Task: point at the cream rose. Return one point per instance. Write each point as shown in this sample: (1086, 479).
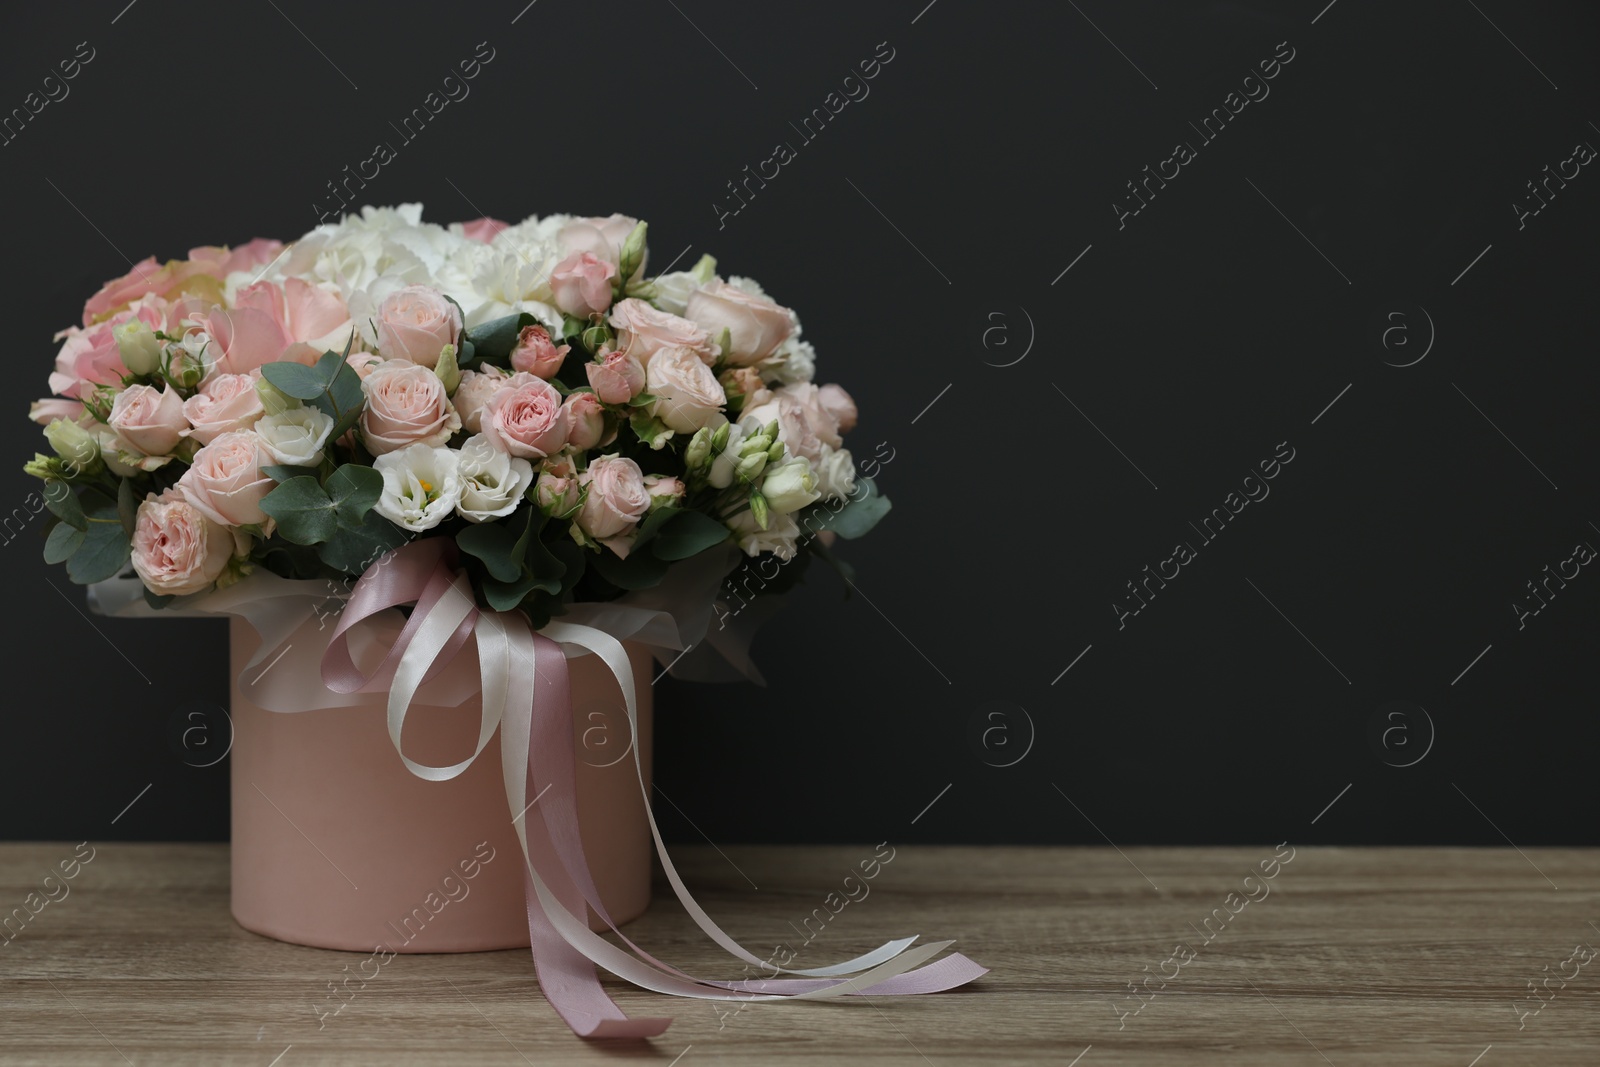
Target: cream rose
(756, 326)
(836, 473)
(492, 483)
(295, 437)
(226, 403)
(415, 323)
(687, 394)
(779, 537)
(406, 405)
(642, 331)
(421, 486)
(177, 549)
(147, 420)
(614, 500)
(225, 482)
(526, 420)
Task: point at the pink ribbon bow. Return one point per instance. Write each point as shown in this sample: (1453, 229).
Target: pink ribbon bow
(526, 695)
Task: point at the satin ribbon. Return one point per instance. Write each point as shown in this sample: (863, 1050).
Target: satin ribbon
(526, 695)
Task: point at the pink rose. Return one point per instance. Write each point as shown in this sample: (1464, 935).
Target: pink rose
(664, 489)
(147, 277)
(306, 313)
(836, 402)
(687, 394)
(526, 420)
(557, 490)
(406, 405)
(617, 378)
(745, 382)
(642, 331)
(363, 363)
(177, 550)
(474, 391)
(147, 420)
(484, 230)
(756, 325)
(586, 420)
(581, 284)
(225, 481)
(615, 501)
(602, 237)
(91, 356)
(537, 354)
(802, 428)
(51, 408)
(241, 339)
(226, 403)
(415, 323)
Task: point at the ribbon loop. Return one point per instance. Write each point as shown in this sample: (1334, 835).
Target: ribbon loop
(526, 695)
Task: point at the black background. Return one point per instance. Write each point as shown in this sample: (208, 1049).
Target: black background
(986, 158)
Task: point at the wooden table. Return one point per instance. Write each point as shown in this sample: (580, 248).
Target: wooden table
(1351, 956)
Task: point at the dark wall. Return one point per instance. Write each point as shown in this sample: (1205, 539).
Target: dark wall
(1069, 389)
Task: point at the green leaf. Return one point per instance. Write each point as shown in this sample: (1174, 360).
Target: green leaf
(499, 545)
(156, 600)
(860, 513)
(63, 541)
(296, 379)
(127, 507)
(495, 339)
(546, 571)
(652, 524)
(305, 514)
(104, 551)
(640, 570)
(282, 474)
(353, 550)
(353, 489)
(63, 503)
(688, 534)
(345, 389)
(503, 596)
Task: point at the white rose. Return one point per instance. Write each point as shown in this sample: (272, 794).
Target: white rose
(421, 486)
(836, 473)
(295, 437)
(492, 482)
(790, 485)
(795, 361)
(688, 396)
(672, 291)
(778, 538)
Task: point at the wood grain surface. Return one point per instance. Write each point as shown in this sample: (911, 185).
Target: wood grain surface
(1344, 957)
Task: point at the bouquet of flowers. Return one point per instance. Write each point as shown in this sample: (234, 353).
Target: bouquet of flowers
(575, 424)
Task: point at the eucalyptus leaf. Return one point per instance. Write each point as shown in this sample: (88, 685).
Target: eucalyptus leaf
(127, 506)
(504, 596)
(305, 514)
(865, 508)
(63, 541)
(353, 489)
(63, 503)
(282, 474)
(352, 550)
(688, 534)
(296, 379)
(494, 340)
(640, 570)
(498, 545)
(103, 553)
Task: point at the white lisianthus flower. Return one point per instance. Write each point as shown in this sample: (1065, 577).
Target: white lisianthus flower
(790, 485)
(779, 537)
(836, 473)
(295, 437)
(492, 482)
(726, 464)
(421, 486)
